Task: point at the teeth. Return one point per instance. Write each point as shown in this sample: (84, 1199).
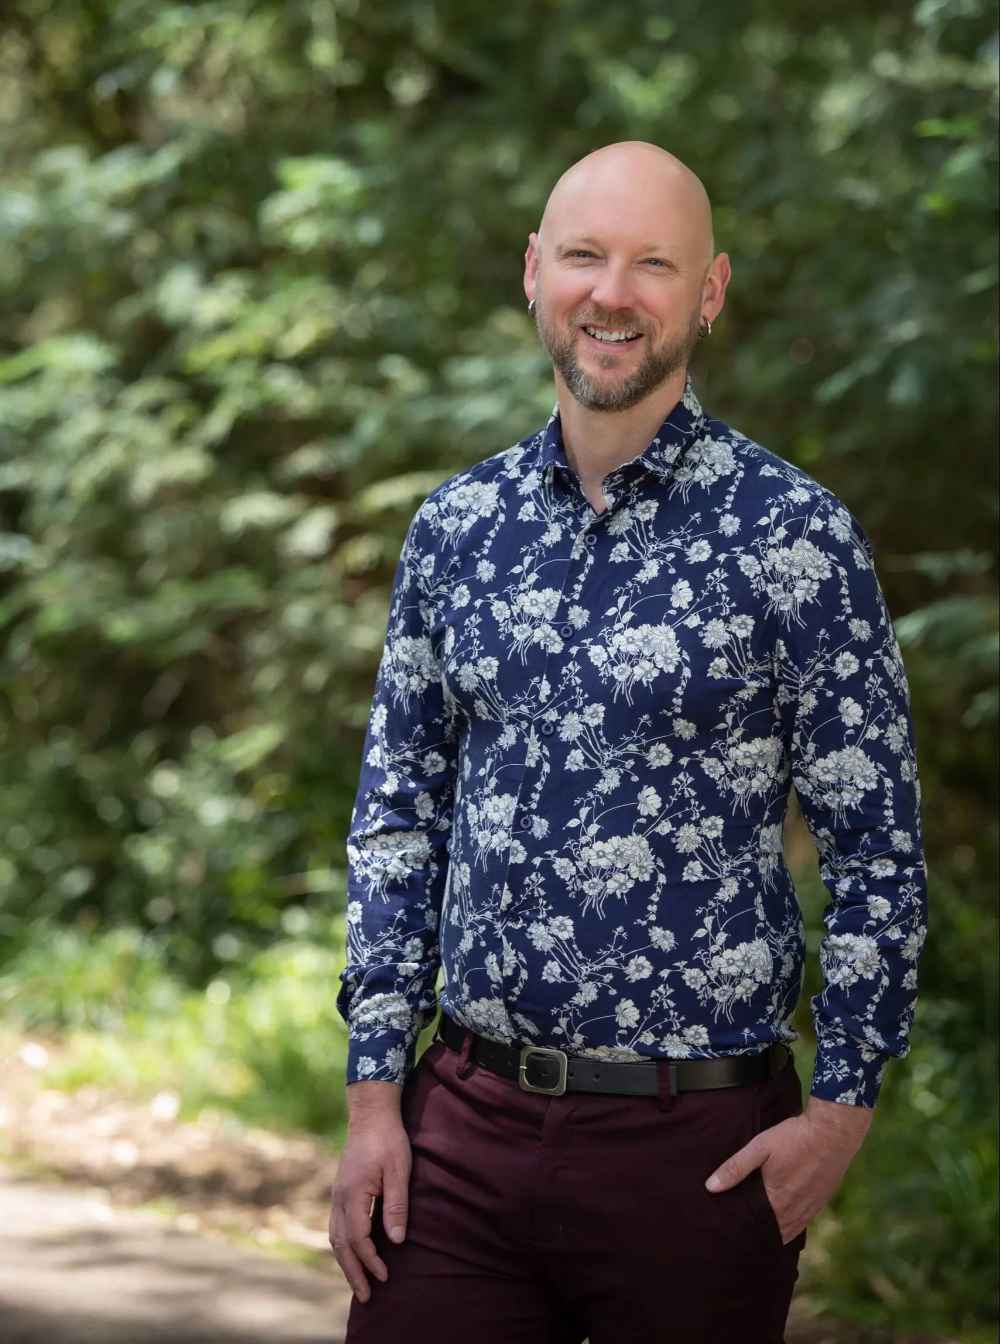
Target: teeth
(610, 335)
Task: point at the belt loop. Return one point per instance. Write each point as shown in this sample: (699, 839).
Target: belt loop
(666, 1084)
(465, 1061)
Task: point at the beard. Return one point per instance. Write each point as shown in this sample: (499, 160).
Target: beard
(597, 395)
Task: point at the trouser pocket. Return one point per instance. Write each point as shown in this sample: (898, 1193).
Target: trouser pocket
(776, 1100)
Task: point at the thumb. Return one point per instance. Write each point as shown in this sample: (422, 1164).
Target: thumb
(395, 1201)
(736, 1168)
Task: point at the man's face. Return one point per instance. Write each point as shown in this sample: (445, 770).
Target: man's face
(618, 277)
(612, 376)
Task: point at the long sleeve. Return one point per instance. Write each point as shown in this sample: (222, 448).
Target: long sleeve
(397, 848)
(846, 708)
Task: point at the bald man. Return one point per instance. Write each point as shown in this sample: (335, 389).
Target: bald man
(611, 650)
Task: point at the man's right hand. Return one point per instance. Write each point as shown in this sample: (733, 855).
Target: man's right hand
(375, 1161)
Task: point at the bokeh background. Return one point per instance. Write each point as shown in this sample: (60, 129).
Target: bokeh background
(260, 264)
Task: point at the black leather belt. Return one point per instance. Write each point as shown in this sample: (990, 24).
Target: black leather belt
(541, 1069)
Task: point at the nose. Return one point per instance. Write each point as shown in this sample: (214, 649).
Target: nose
(612, 288)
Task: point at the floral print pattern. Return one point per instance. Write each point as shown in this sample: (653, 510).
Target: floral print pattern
(584, 732)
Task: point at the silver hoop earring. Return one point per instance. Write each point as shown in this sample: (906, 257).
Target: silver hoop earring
(705, 329)
(531, 307)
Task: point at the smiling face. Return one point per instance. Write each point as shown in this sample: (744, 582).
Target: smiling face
(611, 360)
(622, 273)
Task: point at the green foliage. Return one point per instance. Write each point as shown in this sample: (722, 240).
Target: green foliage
(910, 1236)
(260, 263)
(916, 1222)
(263, 1041)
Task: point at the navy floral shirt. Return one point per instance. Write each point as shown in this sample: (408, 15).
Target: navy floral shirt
(578, 759)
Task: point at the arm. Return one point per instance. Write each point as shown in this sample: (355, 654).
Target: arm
(397, 848)
(845, 711)
(397, 853)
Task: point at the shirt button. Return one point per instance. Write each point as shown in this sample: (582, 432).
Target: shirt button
(566, 631)
(524, 820)
(590, 539)
(547, 729)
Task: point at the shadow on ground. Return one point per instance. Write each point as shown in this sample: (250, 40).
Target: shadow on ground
(75, 1271)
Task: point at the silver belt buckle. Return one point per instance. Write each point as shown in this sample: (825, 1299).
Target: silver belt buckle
(550, 1057)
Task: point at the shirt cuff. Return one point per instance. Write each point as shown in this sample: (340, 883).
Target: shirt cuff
(850, 1074)
(383, 1058)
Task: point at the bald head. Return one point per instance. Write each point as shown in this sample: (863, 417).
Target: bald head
(644, 187)
(622, 278)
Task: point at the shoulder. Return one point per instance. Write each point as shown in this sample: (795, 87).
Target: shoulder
(479, 494)
(784, 501)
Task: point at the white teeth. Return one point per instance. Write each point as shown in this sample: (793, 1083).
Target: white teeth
(610, 335)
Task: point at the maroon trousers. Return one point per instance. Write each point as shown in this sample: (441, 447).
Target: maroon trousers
(555, 1220)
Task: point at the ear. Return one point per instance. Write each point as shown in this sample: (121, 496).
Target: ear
(713, 290)
(531, 266)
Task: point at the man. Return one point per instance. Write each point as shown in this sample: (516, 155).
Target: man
(611, 650)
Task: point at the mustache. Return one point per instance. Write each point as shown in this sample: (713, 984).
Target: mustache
(614, 320)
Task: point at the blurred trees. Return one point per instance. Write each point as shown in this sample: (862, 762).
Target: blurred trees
(260, 266)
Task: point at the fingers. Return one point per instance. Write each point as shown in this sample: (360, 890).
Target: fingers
(359, 1225)
(350, 1228)
(737, 1167)
(395, 1200)
(376, 1160)
(351, 1265)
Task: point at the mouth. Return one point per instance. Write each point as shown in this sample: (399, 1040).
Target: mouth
(610, 338)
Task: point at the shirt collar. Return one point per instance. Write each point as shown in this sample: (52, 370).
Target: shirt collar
(683, 426)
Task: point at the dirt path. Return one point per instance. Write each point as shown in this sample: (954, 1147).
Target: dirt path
(120, 1224)
(75, 1270)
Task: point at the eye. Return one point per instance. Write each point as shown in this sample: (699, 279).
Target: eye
(657, 261)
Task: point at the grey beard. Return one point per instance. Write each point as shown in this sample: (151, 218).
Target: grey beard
(656, 367)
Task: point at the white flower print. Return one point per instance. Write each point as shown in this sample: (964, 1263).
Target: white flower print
(681, 595)
(411, 667)
(637, 655)
(538, 603)
(571, 728)
(687, 839)
(851, 713)
(839, 780)
(715, 635)
(638, 968)
(848, 957)
(699, 552)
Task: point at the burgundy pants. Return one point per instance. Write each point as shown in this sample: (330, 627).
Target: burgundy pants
(554, 1220)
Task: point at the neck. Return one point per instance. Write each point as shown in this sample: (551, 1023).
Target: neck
(598, 441)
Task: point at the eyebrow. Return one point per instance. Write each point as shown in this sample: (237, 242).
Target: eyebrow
(647, 248)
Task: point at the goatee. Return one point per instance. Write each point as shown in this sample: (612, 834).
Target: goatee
(655, 368)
